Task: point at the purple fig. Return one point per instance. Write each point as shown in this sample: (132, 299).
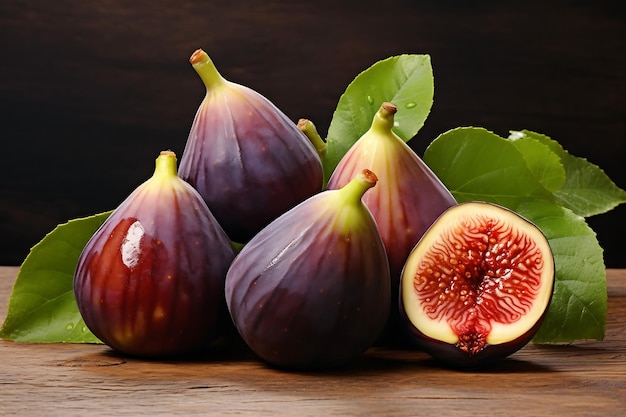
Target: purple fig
(150, 281)
(247, 159)
(407, 201)
(477, 286)
(311, 290)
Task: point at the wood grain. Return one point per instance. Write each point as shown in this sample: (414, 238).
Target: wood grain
(582, 379)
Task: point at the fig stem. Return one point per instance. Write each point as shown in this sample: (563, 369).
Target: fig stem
(204, 66)
(384, 118)
(349, 198)
(356, 188)
(165, 166)
(308, 128)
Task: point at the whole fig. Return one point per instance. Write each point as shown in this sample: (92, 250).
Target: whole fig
(407, 201)
(478, 285)
(247, 159)
(150, 281)
(311, 290)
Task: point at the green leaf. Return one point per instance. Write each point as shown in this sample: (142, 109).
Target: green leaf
(541, 161)
(404, 80)
(579, 303)
(478, 165)
(587, 190)
(42, 307)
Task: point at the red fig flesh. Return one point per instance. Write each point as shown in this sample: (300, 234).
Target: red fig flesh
(478, 285)
(150, 281)
(249, 162)
(312, 289)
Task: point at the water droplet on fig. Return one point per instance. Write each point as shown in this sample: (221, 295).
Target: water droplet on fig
(131, 248)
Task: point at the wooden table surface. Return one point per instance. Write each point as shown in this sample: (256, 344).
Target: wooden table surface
(584, 379)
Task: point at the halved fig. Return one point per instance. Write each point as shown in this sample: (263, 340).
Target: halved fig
(477, 285)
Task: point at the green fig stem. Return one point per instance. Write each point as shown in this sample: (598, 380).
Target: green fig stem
(205, 68)
(165, 166)
(356, 188)
(308, 128)
(384, 118)
(349, 199)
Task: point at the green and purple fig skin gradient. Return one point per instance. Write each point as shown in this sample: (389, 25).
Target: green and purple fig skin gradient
(408, 198)
(246, 158)
(312, 289)
(150, 281)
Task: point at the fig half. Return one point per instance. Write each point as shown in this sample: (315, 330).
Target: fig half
(477, 286)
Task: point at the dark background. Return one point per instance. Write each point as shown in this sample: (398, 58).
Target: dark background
(91, 91)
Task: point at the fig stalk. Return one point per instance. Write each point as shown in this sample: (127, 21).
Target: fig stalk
(165, 167)
(308, 128)
(384, 119)
(206, 69)
(349, 197)
(353, 191)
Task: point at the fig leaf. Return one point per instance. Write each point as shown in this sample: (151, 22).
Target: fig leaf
(404, 80)
(587, 190)
(579, 302)
(42, 307)
(478, 165)
(542, 161)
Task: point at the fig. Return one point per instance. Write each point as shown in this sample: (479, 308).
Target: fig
(312, 290)
(477, 285)
(150, 281)
(246, 158)
(407, 201)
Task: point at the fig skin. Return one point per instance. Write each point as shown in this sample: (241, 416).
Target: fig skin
(246, 158)
(311, 291)
(150, 281)
(409, 198)
(507, 267)
(450, 356)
